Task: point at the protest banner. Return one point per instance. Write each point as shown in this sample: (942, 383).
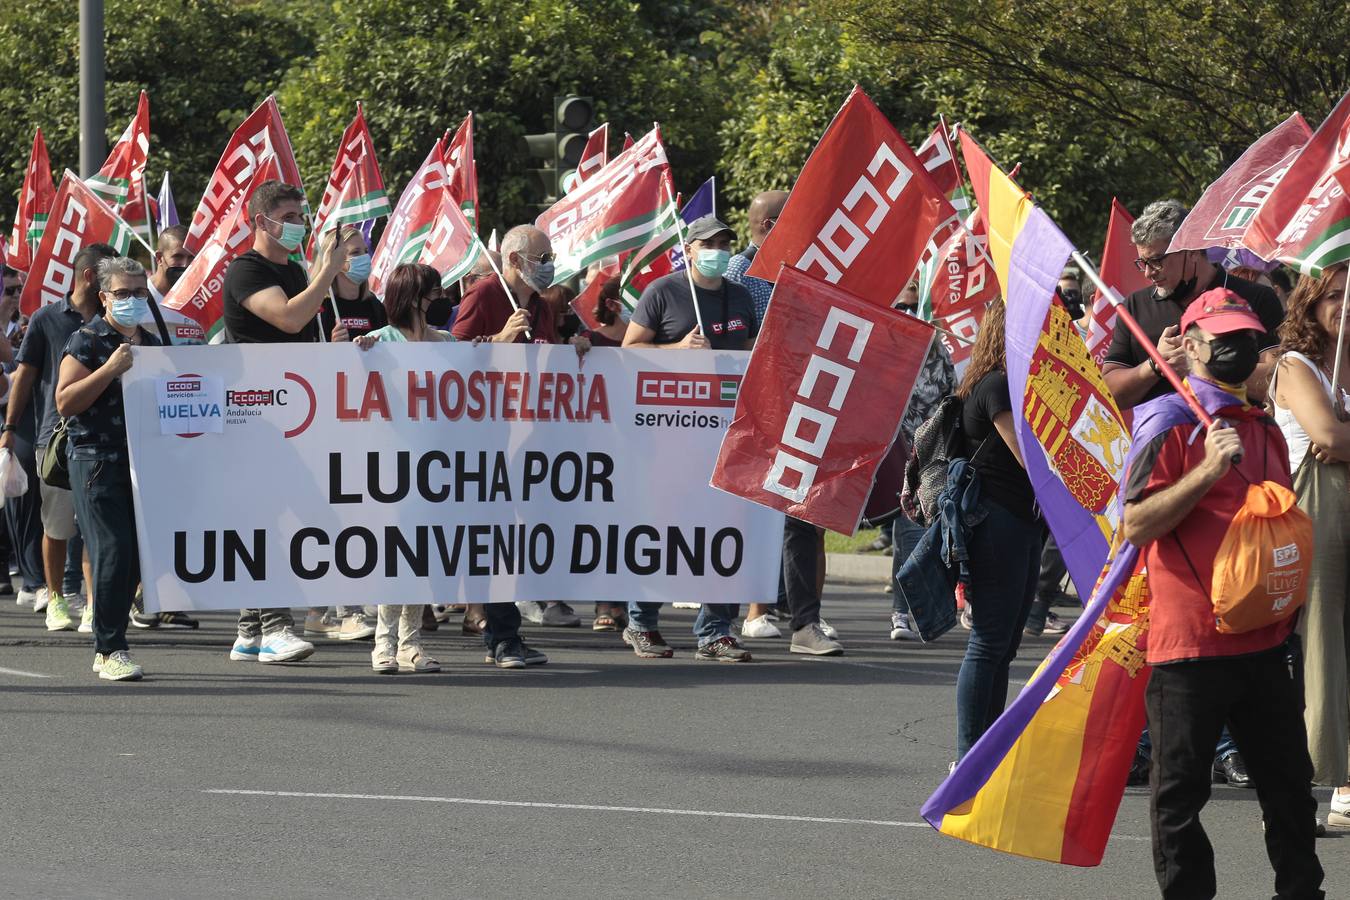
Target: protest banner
(438, 473)
(79, 218)
(822, 400)
(861, 210)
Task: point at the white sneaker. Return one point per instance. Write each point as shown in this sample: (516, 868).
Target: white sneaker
(282, 646)
(687, 605)
(531, 611)
(246, 647)
(1340, 810)
(117, 666)
(26, 599)
(40, 601)
(828, 629)
(87, 620)
(58, 616)
(355, 627)
(901, 628)
(760, 627)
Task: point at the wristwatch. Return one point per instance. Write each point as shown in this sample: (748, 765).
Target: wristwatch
(8, 427)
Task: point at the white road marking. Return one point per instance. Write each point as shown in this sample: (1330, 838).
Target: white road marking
(820, 820)
(591, 807)
(21, 673)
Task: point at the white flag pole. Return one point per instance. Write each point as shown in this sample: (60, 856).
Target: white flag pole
(529, 336)
(1340, 353)
(688, 263)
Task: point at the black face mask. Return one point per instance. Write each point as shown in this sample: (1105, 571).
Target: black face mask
(1233, 357)
(173, 273)
(438, 312)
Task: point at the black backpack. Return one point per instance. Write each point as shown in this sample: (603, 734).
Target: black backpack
(939, 440)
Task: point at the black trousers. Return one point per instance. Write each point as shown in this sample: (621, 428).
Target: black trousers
(1262, 700)
(797, 582)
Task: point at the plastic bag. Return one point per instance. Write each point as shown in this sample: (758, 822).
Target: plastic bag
(13, 479)
(1261, 569)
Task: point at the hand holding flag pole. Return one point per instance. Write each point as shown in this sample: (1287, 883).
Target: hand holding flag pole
(529, 336)
(688, 263)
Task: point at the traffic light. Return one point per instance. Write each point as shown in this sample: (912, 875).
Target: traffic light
(557, 154)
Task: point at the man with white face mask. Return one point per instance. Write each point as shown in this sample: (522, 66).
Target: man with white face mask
(486, 311)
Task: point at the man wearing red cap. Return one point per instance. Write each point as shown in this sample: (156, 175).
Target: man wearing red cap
(1181, 495)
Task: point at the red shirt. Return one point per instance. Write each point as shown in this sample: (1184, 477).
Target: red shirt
(485, 308)
(1181, 564)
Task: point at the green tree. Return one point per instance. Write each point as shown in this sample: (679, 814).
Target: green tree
(205, 64)
(421, 65)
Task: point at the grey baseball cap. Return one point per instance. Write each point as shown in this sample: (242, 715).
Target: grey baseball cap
(705, 227)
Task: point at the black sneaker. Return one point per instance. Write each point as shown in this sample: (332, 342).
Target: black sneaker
(1231, 770)
(1138, 769)
(6, 588)
(144, 619)
(510, 654)
(724, 649)
(174, 620)
(533, 657)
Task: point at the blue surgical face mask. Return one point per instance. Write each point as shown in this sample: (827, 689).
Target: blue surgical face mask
(712, 263)
(358, 268)
(291, 234)
(538, 275)
(129, 311)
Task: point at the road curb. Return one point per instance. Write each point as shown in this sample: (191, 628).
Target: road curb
(858, 568)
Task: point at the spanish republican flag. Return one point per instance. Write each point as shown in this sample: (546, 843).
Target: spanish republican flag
(1046, 780)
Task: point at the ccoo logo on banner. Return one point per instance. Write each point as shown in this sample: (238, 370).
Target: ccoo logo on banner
(821, 402)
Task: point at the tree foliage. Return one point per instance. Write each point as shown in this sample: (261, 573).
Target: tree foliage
(1134, 98)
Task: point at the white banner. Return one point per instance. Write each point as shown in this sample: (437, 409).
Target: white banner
(421, 473)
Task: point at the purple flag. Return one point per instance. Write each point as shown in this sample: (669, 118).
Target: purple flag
(168, 212)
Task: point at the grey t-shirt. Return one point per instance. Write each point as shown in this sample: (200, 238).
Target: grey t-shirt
(43, 346)
(728, 313)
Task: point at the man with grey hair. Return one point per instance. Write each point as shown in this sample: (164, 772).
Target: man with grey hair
(1175, 280)
(89, 396)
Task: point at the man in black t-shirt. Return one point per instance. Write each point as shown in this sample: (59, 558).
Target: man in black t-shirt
(268, 300)
(1177, 279)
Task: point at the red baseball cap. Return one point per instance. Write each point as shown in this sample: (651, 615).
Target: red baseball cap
(1220, 311)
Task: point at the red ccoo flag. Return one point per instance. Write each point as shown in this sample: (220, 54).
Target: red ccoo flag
(816, 412)
(198, 293)
(261, 137)
(861, 211)
(35, 205)
(410, 224)
(78, 218)
(124, 169)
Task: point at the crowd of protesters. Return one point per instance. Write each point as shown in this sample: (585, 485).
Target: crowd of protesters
(1220, 707)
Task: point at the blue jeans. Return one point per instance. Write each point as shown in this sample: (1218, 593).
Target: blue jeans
(1226, 746)
(905, 536)
(713, 622)
(103, 503)
(1005, 561)
(74, 571)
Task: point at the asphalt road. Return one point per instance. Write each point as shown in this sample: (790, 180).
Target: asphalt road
(597, 776)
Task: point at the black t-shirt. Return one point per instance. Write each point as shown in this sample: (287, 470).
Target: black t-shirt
(1156, 314)
(361, 316)
(248, 274)
(728, 313)
(1002, 478)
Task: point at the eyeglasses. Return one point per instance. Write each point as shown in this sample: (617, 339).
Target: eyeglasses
(1152, 263)
(541, 258)
(14, 290)
(124, 294)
